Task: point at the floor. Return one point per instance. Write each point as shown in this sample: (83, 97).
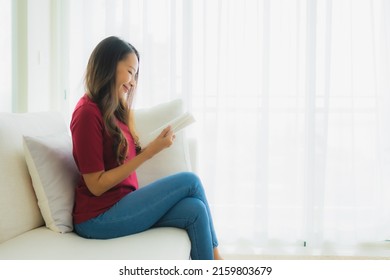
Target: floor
(365, 251)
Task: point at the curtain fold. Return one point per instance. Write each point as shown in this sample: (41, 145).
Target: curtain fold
(6, 41)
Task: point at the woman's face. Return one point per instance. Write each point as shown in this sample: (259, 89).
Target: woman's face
(125, 74)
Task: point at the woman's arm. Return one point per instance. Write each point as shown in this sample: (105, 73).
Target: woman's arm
(101, 181)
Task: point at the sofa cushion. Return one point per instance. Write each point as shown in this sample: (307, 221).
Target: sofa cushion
(18, 204)
(169, 161)
(54, 176)
(45, 244)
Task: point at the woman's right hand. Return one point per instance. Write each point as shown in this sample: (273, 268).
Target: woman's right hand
(163, 141)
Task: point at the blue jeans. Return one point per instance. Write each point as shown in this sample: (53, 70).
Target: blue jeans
(175, 201)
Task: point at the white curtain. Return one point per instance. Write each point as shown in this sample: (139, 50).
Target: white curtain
(5, 56)
(291, 98)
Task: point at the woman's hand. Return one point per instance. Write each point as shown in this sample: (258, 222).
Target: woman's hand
(163, 141)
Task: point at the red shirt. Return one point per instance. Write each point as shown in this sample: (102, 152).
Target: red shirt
(93, 151)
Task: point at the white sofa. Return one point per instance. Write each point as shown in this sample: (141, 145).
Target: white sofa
(23, 234)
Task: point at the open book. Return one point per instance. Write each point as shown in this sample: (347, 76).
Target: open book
(176, 124)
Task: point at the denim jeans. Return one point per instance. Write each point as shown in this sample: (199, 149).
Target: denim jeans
(175, 201)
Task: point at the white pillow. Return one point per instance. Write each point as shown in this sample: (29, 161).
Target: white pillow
(171, 160)
(54, 176)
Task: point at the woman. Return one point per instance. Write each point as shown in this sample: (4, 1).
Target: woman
(108, 203)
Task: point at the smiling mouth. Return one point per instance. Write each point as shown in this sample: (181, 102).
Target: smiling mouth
(126, 88)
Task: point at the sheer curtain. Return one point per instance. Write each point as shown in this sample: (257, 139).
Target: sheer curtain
(292, 104)
(5, 56)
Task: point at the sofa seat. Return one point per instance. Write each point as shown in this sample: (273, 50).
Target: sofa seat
(43, 243)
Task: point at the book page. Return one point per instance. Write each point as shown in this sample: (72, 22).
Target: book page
(176, 124)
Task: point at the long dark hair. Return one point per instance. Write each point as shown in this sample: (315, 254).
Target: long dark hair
(100, 86)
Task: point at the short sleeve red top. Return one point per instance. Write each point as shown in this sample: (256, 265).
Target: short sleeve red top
(93, 151)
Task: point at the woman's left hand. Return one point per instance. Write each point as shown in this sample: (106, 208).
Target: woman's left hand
(163, 141)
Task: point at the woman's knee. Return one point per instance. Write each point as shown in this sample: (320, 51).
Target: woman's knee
(193, 181)
(189, 176)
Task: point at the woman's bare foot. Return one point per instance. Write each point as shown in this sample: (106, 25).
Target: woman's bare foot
(217, 256)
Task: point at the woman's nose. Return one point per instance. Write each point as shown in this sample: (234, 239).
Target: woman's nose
(131, 84)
